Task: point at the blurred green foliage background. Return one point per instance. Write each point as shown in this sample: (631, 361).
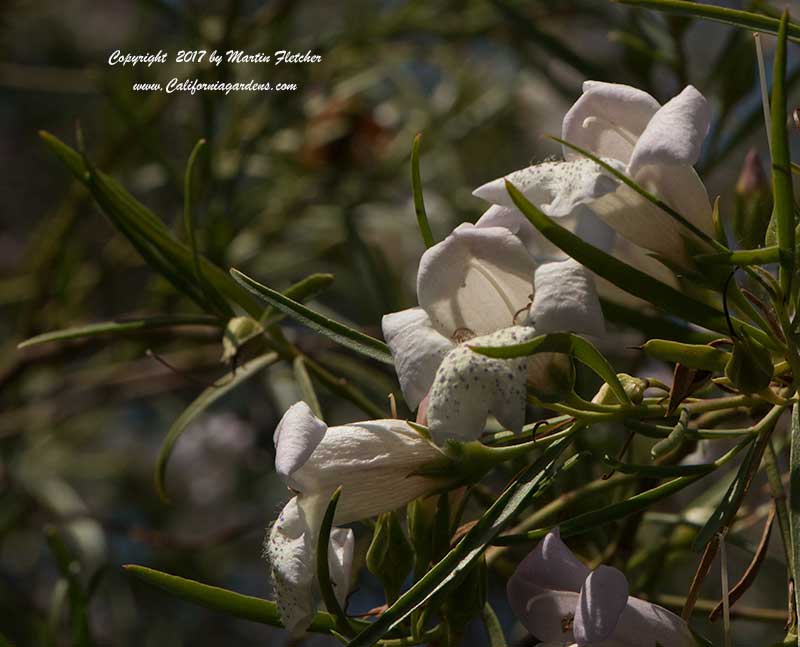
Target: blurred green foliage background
(292, 183)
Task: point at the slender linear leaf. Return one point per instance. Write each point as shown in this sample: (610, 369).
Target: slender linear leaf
(323, 568)
(589, 521)
(737, 18)
(203, 401)
(214, 298)
(304, 289)
(628, 278)
(493, 627)
(658, 471)
(563, 343)
(338, 332)
(116, 327)
(419, 199)
(456, 563)
(725, 512)
(228, 602)
(305, 386)
(147, 233)
(781, 173)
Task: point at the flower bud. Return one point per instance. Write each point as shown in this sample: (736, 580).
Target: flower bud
(633, 386)
(750, 367)
(390, 555)
(753, 203)
(697, 356)
(237, 333)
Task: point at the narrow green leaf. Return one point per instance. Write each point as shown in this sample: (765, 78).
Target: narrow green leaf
(658, 471)
(735, 17)
(306, 388)
(228, 602)
(494, 629)
(338, 332)
(590, 521)
(149, 234)
(628, 278)
(304, 289)
(118, 327)
(456, 563)
(419, 200)
(203, 401)
(781, 173)
(212, 295)
(742, 257)
(323, 569)
(569, 344)
(725, 512)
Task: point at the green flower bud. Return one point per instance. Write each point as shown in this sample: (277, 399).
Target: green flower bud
(697, 356)
(750, 367)
(390, 555)
(633, 386)
(237, 333)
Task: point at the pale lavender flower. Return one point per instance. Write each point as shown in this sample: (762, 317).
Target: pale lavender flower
(561, 602)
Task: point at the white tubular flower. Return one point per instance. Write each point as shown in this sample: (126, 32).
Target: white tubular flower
(475, 287)
(374, 462)
(561, 602)
(291, 549)
(655, 145)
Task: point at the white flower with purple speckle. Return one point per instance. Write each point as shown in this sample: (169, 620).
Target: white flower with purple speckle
(628, 129)
(480, 286)
(374, 462)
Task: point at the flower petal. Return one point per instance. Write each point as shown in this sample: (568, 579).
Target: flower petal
(644, 224)
(476, 280)
(557, 188)
(565, 299)
(340, 561)
(290, 548)
(603, 598)
(675, 134)
(417, 350)
(296, 437)
(469, 386)
(607, 120)
(546, 614)
(643, 624)
(373, 462)
(551, 565)
(512, 219)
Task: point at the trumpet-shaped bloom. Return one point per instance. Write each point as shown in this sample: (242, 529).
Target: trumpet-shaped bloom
(475, 287)
(291, 548)
(374, 462)
(562, 602)
(655, 145)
